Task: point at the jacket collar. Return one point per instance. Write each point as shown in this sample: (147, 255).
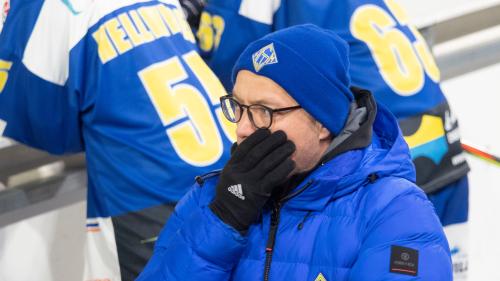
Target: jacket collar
(376, 148)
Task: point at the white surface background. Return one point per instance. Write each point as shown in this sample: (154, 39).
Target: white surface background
(427, 12)
(475, 99)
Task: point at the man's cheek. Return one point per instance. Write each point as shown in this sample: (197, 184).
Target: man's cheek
(295, 158)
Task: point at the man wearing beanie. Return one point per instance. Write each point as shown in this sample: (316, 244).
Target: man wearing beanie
(389, 57)
(320, 185)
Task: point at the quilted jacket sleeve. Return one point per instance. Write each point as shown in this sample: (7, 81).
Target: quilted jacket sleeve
(195, 244)
(403, 240)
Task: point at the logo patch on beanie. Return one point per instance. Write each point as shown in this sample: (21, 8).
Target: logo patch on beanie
(264, 56)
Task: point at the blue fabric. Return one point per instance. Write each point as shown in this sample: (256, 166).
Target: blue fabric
(365, 71)
(349, 225)
(106, 109)
(317, 57)
(452, 202)
(228, 26)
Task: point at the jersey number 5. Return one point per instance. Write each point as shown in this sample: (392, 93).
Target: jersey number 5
(401, 62)
(183, 109)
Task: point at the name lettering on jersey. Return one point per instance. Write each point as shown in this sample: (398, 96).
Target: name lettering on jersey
(133, 28)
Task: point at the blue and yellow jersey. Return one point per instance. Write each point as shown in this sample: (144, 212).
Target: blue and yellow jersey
(388, 56)
(122, 81)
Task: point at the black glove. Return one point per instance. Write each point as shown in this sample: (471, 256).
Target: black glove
(257, 166)
(193, 9)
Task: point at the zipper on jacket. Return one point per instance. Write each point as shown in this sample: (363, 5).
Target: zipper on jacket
(275, 218)
(273, 230)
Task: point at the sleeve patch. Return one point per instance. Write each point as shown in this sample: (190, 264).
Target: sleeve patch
(404, 260)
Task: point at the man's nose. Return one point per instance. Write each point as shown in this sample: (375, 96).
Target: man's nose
(244, 127)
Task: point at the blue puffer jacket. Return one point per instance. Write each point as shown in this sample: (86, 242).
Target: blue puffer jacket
(342, 224)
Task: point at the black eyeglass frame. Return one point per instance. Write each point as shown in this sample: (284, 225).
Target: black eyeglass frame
(249, 112)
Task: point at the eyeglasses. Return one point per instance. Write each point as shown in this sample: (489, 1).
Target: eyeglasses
(261, 116)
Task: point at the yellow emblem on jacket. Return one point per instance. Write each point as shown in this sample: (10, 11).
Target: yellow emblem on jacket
(320, 277)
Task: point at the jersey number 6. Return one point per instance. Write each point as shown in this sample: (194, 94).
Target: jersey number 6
(401, 62)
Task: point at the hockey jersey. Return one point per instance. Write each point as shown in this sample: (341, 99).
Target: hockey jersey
(122, 81)
(388, 56)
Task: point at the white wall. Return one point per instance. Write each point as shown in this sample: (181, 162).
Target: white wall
(475, 99)
(47, 247)
(426, 12)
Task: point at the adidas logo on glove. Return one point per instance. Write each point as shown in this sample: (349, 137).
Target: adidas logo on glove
(237, 191)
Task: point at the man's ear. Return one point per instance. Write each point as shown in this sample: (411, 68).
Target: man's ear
(324, 133)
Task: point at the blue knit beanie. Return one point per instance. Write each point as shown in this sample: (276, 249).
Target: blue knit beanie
(311, 64)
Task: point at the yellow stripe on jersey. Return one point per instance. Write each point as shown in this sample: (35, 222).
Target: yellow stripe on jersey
(431, 128)
(4, 73)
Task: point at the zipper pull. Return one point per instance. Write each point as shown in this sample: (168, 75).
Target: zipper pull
(301, 224)
(199, 180)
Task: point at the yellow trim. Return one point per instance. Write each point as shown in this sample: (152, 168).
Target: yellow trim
(320, 277)
(430, 129)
